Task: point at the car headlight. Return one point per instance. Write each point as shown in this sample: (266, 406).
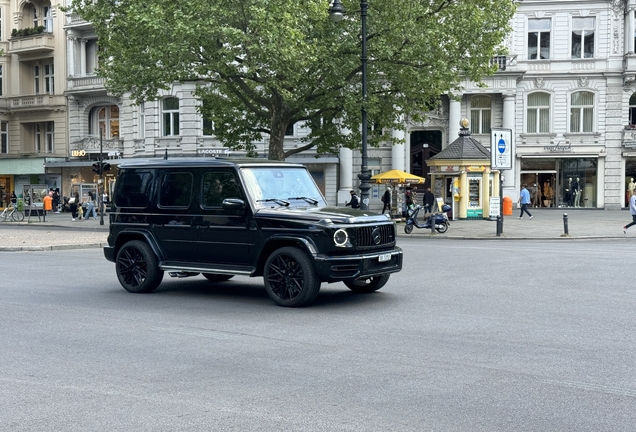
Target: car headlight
(341, 238)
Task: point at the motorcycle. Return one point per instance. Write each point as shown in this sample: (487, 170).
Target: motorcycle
(440, 220)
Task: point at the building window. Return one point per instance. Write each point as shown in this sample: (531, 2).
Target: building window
(208, 124)
(35, 17)
(104, 120)
(539, 38)
(583, 37)
(1, 80)
(49, 79)
(44, 137)
(170, 116)
(538, 114)
(1, 34)
(36, 79)
(582, 112)
(48, 20)
(4, 137)
(632, 111)
(480, 112)
(290, 130)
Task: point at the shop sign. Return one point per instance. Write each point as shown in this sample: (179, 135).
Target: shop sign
(444, 168)
(559, 148)
(115, 154)
(78, 153)
(213, 152)
(476, 168)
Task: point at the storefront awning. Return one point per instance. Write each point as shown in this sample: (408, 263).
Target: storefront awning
(22, 166)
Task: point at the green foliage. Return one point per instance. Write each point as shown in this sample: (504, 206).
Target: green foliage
(265, 64)
(27, 31)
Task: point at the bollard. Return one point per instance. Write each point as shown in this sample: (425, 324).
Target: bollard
(565, 224)
(432, 223)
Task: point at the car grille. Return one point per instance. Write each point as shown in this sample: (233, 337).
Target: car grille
(374, 236)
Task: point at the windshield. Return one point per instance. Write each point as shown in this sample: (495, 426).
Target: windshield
(281, 186)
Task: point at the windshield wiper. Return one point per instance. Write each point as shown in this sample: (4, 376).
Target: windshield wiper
(309, 200)
(276, 200)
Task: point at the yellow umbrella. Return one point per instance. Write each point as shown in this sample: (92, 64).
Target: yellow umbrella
(397, 176)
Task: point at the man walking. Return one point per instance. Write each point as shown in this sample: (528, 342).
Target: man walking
(386, 199)
(524, 200)
(355, 202)
(632, 210)
(429, 201)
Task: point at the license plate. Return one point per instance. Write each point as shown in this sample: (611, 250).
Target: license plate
(384, 257)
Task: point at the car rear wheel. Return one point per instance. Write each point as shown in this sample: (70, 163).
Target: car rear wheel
(214, 277)
(368, 284)
(136, 267)
(290, 278)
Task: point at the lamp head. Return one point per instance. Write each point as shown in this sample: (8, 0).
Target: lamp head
(336, 11)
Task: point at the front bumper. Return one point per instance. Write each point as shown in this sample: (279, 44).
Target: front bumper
(339, 268)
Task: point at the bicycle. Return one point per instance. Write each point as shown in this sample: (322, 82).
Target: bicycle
(12, 212)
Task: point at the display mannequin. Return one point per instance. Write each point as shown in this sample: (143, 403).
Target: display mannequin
(576, 190)
(536, 196)
(547, 194)
(630, 187)
(568, 198)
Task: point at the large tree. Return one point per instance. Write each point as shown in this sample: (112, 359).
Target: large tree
(263, 65)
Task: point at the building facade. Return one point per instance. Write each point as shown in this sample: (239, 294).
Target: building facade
(566, 89)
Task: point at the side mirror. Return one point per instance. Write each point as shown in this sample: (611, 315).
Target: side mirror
(235, 205)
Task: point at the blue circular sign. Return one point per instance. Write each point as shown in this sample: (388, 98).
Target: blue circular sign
(501, 145)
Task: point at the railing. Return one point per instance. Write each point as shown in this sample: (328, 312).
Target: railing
(92, 143)
(503, 62)
(35, 42)
(86, 81)
(37, 101)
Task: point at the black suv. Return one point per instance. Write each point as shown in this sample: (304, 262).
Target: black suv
(252, 217)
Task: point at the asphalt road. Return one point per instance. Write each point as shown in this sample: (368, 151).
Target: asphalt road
(471, 336)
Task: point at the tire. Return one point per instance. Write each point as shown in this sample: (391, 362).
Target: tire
(290, 278)
(4, 214)
(17, 216)
(441, 228)
(367, 285)
(213, 277)
(136, 267)
(408, 228)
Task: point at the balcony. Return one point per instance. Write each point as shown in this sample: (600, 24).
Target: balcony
(31, 44)
(74, 21)
(629, 137)
(91, 144)
(45, 102)
(504, 62)
(87, 84)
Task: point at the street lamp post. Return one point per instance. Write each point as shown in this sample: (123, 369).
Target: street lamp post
(336, 12)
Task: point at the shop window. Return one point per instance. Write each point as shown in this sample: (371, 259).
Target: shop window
(170, 116)
(582, 112)
(577, 182)
(539, 38)
(538, 114)
(583, 37)
(480, 115)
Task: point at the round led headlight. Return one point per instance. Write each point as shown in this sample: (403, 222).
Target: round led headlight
(341, 238)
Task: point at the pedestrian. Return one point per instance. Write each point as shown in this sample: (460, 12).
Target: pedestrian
(14, 200)
(632, 210)
(524, 200)
(56, 200)
(90, 206)
(47, 202)
(429, 201)
(355, 201)
(386, 199)
(73, 203)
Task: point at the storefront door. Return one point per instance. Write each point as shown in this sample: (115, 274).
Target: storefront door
(543, 188)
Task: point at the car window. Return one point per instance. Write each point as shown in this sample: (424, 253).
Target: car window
(134, 188)
(176, 190)
(265, 184)
(217, 186)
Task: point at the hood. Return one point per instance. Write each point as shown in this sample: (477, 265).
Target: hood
(343, 215)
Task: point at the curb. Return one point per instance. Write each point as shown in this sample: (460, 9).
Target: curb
(52, 247)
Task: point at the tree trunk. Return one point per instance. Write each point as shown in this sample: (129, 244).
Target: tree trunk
(280, 120)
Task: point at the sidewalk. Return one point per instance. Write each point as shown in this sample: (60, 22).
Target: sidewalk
(546, 224)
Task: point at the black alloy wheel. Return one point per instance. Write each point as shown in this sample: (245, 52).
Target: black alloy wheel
(368, 284)
(214, 277)
(290, 278)
(136, 267)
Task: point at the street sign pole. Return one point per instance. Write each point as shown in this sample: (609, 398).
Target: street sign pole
(500, 160)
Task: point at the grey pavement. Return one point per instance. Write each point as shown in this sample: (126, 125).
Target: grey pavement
(58, 231)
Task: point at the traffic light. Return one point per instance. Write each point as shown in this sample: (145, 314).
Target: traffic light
(101, 168)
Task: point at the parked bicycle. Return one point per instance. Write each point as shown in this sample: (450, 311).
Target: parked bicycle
(12, 213)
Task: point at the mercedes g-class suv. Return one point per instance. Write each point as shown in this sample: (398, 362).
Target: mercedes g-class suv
(251, 217)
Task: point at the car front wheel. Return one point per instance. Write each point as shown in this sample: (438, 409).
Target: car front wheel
(368, 284)
(136, 267)
(290, 278)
